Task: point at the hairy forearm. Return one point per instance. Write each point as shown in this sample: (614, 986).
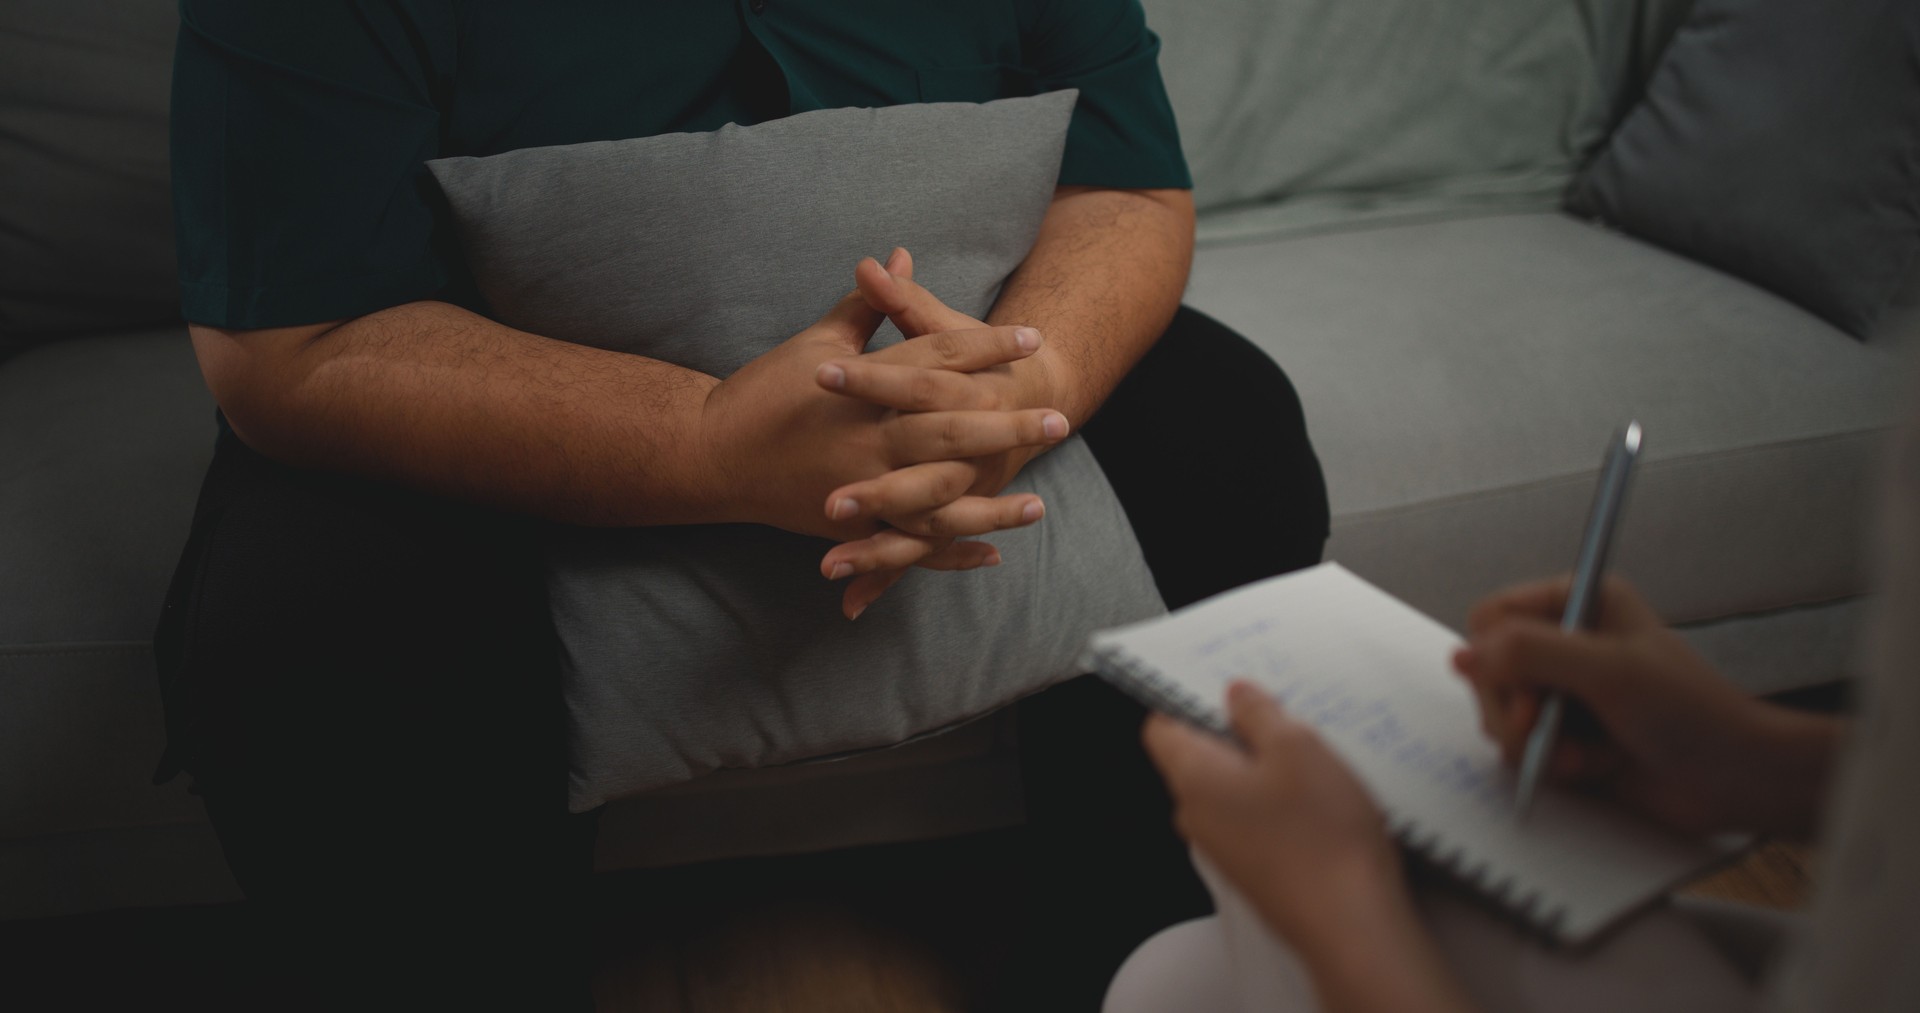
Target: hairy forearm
(434, 397)
(1102, 281)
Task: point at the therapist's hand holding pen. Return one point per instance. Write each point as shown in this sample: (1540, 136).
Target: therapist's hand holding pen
(1673, 738)
(1296, 833)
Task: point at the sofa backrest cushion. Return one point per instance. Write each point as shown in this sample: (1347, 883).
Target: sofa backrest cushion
(1780, 142)
(1474, 98)
(86, 231)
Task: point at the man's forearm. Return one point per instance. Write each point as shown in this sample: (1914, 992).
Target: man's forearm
(1102, 281)
(435, 397)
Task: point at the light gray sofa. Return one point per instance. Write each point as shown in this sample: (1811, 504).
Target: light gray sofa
(1382, 184)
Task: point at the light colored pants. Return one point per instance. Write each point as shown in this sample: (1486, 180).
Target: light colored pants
(1231, 963)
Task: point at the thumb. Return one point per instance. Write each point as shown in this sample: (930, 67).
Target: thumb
(900, 263)
(910, 306)
(1189, 758)
(1255, 717)
(849, 324)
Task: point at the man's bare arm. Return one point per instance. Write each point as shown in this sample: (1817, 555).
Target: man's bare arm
(433, 396)
(1102, 282)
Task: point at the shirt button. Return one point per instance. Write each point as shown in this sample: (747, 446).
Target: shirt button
(759, 6)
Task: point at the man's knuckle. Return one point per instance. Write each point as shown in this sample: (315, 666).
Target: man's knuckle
(922, 392)
(947, 486)
(947, 346)
(902, 435)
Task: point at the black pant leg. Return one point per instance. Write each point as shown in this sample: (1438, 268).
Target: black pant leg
(1206, 446)
(364, 685)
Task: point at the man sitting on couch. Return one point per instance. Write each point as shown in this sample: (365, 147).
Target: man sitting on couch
(357, 656)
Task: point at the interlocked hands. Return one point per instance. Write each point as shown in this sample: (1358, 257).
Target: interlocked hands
(898, 454)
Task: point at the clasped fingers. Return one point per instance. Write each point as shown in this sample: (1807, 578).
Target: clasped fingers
(911, 388)
(896, 550)
(956, 435)
(967, 350)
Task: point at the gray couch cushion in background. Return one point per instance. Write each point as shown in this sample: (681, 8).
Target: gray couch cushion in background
(1394, 108)
(1460, 380)
(103, 441)
(693, 649)
(86, 229)
(1780, 141)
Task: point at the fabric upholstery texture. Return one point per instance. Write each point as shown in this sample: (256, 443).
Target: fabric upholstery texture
(1461, 378)
(86, 242)
(103, 441)
(1780, 142)
(1352, 109)
(694, 649)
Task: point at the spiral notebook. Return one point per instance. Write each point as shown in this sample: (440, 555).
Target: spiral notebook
(1371, 674)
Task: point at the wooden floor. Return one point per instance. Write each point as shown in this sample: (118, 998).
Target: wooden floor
(1774, 875)
(906, 930)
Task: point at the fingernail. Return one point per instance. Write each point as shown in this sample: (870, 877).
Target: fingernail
(1055, 426)
(840, 570)
(1028, 338)
(1033, 511)
(994, 559)
(855, 614)
(844, 507)
(831, 376)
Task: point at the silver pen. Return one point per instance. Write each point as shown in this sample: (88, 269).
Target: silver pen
(1607, 501)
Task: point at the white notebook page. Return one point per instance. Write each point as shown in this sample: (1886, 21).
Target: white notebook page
(1372, 675)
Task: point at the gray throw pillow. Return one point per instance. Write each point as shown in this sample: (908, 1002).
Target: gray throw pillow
(1779, 141)
(692, 649)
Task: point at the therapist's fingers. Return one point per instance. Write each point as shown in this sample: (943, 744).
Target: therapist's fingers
(1542, 600)
(1189, 759)
(1618, 607)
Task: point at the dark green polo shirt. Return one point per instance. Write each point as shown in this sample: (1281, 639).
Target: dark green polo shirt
(301, 127)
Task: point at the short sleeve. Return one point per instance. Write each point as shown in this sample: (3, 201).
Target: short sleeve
(300, 136)
(1122, 134)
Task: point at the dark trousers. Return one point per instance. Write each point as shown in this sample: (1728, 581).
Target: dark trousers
(362, 682)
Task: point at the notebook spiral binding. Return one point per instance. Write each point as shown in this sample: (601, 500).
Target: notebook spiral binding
(1145, 683)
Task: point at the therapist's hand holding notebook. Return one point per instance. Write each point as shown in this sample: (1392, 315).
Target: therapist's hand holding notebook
(1370, 675)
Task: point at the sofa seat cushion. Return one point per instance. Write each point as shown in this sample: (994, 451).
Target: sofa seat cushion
(1461, 378)
(103, 441)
